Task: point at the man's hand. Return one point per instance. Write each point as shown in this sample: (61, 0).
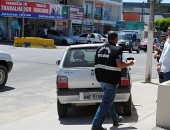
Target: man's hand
(159, 68)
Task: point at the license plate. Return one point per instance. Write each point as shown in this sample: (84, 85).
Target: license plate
(91, 95)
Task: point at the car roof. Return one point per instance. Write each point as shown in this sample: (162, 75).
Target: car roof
(85, 45)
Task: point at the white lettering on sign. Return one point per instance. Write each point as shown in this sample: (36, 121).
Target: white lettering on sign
(40, 10)
(15, 8)
(41, 5)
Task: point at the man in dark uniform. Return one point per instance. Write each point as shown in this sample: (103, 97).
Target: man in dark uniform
(108, 63)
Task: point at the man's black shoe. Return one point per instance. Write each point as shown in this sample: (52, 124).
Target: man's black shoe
(98, 128)
(116, 122)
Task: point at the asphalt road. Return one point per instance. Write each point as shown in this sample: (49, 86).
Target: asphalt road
(31, 85)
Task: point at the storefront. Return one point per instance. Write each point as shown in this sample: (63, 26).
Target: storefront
(76, 16)
(87, 25)
(35, 16)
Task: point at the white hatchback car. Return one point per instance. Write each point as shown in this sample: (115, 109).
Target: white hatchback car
(86, 38)
(76, 82)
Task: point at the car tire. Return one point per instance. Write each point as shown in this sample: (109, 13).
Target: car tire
(64, 42)
(3, 76)
(130, 50)
(127, 107)
(145, 50)
(138, 50)
(62, 109)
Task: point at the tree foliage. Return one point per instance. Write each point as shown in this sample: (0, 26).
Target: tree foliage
(162, 24)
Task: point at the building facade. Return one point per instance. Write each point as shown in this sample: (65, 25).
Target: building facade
(72, 17)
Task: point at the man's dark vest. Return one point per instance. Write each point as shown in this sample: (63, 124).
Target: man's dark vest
(105, 64)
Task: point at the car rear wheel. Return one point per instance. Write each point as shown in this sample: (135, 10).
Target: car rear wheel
(62, 109)
(3, 76)
(127, 107)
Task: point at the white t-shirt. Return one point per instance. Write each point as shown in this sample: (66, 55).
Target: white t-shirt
(165, 57)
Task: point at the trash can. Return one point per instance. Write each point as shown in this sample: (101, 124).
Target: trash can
(163, 105)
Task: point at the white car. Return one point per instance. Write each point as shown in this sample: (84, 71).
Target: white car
(86, 38)
(76, 82)
(6, 65)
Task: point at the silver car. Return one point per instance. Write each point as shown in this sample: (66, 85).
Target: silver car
(60, 38)
(76, 82)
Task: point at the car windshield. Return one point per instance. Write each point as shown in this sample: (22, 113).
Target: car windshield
(125, 37)
(80, 57)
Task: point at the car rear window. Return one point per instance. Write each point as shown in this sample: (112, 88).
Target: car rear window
(80, 57)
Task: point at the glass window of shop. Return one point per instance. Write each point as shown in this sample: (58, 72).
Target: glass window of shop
(62, 26)
(98, 12)
(41, 23)
(98, 29)
(88, 10)
(87, 29)
(3, 26)
(29, 27)
(76, 29)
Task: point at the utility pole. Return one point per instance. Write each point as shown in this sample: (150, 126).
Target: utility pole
(150, 42)
(23, 13)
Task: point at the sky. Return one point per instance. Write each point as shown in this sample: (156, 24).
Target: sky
(164, 1)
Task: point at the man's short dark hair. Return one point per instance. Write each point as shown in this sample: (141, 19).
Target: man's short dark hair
(112, 36)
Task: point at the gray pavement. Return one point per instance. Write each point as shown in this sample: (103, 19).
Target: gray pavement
(144, 96)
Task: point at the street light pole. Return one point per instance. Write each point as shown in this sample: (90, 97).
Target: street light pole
(23, 13)
(150, 43)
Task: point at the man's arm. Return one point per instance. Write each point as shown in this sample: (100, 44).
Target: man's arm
(121, 64)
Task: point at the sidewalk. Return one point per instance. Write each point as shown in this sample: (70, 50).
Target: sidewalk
(144, 96)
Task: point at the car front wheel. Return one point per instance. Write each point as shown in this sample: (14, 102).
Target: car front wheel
(127, 107)
(138, 50)
(64, 42)
(3, 76)
(62, 109)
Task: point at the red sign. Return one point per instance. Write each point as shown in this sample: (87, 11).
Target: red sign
(29, 7)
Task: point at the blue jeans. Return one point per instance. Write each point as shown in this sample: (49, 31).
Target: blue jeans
(166, 76)
(107, 104)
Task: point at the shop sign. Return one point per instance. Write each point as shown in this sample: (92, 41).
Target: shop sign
(76, 21)
(76, 12)
(31, 9)
(88, 22)
(130, 25)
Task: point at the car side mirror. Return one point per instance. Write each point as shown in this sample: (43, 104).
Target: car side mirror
(58, 62)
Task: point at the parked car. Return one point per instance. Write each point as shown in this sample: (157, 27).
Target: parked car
(6, 65)
(86, 38)
(60, 38)
(130, 41)
(143, 45)
(76, 83)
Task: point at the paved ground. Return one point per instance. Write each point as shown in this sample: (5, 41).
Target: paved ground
(143, 117)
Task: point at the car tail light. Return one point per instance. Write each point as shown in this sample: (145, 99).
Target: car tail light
(62, 81)
(125, 81)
